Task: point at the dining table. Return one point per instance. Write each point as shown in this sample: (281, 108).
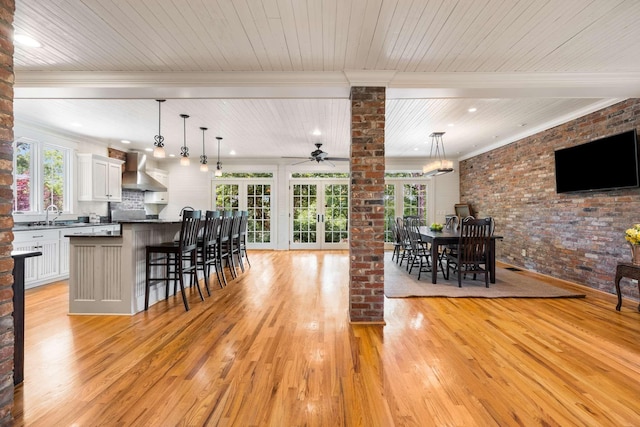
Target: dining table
(447, 237)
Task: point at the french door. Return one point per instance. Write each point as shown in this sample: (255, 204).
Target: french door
(319, 213)
(254, 196)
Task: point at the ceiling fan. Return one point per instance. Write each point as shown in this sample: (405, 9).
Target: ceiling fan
(319, 156)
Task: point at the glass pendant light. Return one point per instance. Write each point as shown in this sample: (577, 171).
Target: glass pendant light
(218, 171)
(158, 145)
(203, 158)
(184, 150)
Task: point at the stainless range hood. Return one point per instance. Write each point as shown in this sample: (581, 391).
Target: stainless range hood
(134, 176)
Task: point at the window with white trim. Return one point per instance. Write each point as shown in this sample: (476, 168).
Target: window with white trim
(41, 176)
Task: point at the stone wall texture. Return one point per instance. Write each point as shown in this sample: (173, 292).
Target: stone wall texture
(366, 205)
(7, 8)
(577, 237)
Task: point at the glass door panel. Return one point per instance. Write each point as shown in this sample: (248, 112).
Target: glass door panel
(255, 197)
(304, 215)
(336, 214)
(259, 207)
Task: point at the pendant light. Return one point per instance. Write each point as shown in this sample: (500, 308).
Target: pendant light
(440, 165)
(158, 150)
(218, 171)
(203, 158)
(184, 150)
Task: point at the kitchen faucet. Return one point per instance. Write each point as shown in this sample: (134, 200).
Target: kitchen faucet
(186, 208)
(51, 208)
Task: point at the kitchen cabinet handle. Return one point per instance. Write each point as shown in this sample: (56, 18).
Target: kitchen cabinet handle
(35, 237)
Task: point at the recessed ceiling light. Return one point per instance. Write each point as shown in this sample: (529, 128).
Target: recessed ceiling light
(148, 149)
(25, 40)
(172, 155)
(125, 141)
(450, 125)
(415, 149)
(232, 152)
(472, 110)
(317, 132)
(521, 124)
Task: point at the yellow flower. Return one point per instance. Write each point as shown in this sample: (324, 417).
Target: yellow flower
(632, 235)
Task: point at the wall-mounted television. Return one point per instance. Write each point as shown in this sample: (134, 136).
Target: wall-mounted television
(603, 164)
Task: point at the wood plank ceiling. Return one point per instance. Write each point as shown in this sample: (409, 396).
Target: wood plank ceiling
(531, 64)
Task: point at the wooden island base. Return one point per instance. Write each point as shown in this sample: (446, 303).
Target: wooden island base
(107, 272)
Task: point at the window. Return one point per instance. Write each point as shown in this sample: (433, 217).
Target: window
(40, 176)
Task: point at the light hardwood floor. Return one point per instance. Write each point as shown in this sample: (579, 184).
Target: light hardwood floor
(275, 348)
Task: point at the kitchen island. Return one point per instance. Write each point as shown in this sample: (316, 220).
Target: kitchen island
(107, 271)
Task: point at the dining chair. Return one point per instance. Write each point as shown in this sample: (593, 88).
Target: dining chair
(208, 247)
(176, 259)
(405, 245)
(421, 254)
(471, 254)
(397, 241)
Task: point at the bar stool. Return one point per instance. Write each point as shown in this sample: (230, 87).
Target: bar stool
(175, 258)
(234, 240)
(242, 240)
(224, 245)
(208, 247)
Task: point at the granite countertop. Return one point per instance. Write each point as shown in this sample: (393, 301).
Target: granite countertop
(26, 227)
(100, 234)
(150, 221)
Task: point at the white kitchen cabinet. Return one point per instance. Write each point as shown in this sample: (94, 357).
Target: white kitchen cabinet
(45, 268)
(158, 197)
(53, 265)
(99, 178)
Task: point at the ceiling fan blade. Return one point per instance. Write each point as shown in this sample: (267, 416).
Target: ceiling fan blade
(338, 159)
(294, 157)
(298, 163)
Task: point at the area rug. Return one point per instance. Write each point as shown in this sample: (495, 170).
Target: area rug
(398, 283)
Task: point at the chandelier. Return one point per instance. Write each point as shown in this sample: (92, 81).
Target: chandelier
(440, 165)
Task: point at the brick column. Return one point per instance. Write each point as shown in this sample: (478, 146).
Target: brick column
(7, 8)
(366, 206)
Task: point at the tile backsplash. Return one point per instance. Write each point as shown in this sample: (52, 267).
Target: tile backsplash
(131, 200)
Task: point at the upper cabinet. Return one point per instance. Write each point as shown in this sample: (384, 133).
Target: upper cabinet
(157, 197)
(99, 178)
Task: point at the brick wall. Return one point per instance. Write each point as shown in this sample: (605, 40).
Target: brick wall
(366, 206)
(576, 237)
(7, 8)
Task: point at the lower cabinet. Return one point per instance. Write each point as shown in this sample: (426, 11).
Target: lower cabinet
(53, 265)
(45, 268)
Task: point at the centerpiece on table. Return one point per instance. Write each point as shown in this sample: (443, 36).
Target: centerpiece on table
(632, 235)
(436, 227)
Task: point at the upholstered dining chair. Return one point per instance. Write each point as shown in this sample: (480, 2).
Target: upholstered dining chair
(471, 254)
(176, 259)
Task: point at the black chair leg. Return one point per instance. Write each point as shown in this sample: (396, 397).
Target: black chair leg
(147, 282)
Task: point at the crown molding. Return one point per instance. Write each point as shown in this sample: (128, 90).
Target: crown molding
(515, 85)
(319, 85)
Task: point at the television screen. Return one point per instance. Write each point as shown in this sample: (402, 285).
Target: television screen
(603, 164)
